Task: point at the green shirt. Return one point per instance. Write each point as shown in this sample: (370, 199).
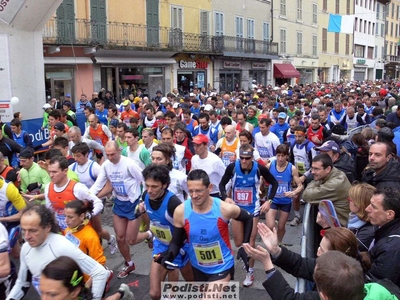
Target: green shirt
(34, 174)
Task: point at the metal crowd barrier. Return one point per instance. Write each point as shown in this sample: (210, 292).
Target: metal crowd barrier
(308, 240)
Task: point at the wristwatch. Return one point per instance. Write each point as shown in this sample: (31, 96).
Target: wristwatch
(270, 271)
(269, 200)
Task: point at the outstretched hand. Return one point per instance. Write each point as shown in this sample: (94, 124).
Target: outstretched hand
(260, 254)
(269, 238)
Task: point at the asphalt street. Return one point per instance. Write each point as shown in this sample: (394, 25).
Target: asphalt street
(142, 255)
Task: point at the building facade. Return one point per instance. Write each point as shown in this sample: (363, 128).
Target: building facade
(392, 60)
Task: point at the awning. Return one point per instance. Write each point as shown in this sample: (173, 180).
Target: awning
(285, 71)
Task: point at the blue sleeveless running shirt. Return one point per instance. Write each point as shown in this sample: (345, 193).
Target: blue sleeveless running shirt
(284, 183)
(162, 227)
(208, 235)
(244, 188)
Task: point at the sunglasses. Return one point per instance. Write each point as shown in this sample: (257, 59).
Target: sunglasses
(245, 158)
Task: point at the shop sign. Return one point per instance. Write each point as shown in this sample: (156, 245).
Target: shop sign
(259, 65)
(232, 64)
(361, 61)
(183, 64)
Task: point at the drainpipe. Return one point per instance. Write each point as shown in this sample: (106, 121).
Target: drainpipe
(272, 22)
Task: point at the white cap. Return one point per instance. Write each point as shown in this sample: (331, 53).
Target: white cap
(259, 91)
(192, 95)
(176, 105)
(285, 92)
(276, 88)
(208, 107)
(46, 106)
(317, 100)
(164, 99)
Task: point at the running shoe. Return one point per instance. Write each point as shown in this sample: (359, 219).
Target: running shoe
(248, 281)
(112, 244)
(296, 221)
(126, 271)
(127, 294)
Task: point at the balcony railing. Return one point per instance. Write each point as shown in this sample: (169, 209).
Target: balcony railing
(393, 58)
(116, 35)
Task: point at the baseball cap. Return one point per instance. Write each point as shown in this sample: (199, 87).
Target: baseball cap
(46, 106)
(176, 105)
(126, 103)
(200, 139)
(208, 107)
(158, 92)
(59, 126)
(192, 95)
(68, 95)
(282, 115)
(329, 146)
(26, 153)
(262, 116)
(164, 99)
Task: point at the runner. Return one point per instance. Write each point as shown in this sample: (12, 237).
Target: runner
(245, 174)
(126, 179)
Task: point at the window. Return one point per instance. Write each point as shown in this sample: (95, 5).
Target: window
(386, 27)
(337, 7)
(299, 43)
(376, 52)
(250, 28)
(398, 12)
(176, 17)
(239, 27)
(336, 43)
(324, 40)
(369, 27)
(356, 24)
(392, 10)
(376, 29)
(299, 9)
(348, 7)
(365, 26)
(347, 44)
(265, 31)
(283, 41)
(315, 13)
(390, 49)
(314, 45)
(325, 5)
(382, 30)
(397, 30)
(239, 33)
(204, 16)
(378, 6)
(359, 51)
(391, 28)
(370, 53)
(383, 52)
(283, 8)
(219, 23)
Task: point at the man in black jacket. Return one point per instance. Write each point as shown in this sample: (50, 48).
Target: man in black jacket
(383, 171)
(384, 212)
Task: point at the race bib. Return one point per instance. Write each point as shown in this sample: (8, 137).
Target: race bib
(119, 188)
(60, 217)
(282, 189)
(301, 167)
(161, 232)
(226, 158)
(264, 152)
(243, 196)
(36, 283)
(208, 255)
(70, 237)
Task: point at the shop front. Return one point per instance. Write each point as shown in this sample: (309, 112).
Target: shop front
(191, 74)
(284, 73)
(258, 72)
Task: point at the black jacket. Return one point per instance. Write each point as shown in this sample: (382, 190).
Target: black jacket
(364, 235)
(389, 177)
(385, 254)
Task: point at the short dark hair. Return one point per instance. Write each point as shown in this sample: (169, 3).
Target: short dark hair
(390, 199)
(55, 114)
(300, 128)
(282, 149)
(167, 130)
(134, 120)
(61, 141)
(199, 175)
(82, 148)
(225, 121)
(15, 122)
(158, 173)
(339, 276)
(61, 160)
(325, 159)
(133, 131)
(204, 116)
(265, 121)
(52, 153)
(123, 125)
